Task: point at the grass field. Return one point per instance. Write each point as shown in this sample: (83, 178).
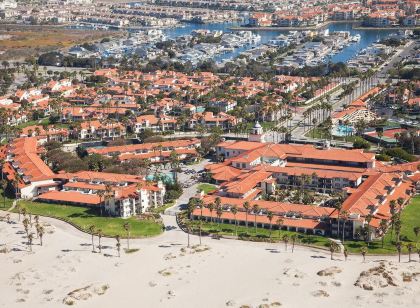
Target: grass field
(84, 217)
(206, 187)
(410, 219)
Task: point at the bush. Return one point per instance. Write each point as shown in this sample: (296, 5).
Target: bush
(383, 157)
(400, 153)
(173, 192)
(360, 143)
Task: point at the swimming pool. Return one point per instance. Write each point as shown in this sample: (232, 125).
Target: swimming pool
(166, 178)
(342, 130)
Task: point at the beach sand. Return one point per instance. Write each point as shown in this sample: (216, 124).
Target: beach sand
(220, 273)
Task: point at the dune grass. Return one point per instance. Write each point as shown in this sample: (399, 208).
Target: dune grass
(84, 217)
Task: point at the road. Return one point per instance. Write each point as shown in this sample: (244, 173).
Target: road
(362, 86)
(191, 190)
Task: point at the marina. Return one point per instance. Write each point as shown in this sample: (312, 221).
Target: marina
(340, 42)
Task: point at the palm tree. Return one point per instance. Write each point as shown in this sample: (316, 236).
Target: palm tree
(19, 209)
(256, 210)
(40, 231)
(368, 219)
(127, 229)
(416, 231)
(398, 245)
(30, 239)
(285, 240)
(293, 237)
(99, 233)
(382, 227)
(364, 252)
(211, 208)
(92, 233)
(279, 223)
(270, 216)
(398, 225)
(410, 247)
(339, 206)
(400, 202)
(3, 184)
(344, 217)
(234, 211)
(26, 226)
(200, 204)
(100, 194)
(333, 246)
(118, 245)
(247, 207)
(219, 213)
(346, 253)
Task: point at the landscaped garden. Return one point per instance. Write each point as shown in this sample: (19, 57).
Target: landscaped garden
(206, 188)
(84, 217)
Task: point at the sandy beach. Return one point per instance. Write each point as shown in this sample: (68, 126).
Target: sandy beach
(220, 273)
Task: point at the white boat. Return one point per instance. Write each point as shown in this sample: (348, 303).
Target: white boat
(356, 38)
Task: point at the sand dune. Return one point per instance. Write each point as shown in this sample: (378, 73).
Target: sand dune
(220, 273)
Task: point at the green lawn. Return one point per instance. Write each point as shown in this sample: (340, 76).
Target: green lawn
(410, 219)
(7, 202)
(84, 217)
(34, 122)
(261, 235)
(206, 187)
(161, 209)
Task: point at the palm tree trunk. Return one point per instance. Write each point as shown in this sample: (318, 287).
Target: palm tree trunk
(255, 224)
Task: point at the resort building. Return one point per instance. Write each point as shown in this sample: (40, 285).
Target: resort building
(26, 172)
(255, 172)
(118, 194)
(156, 152)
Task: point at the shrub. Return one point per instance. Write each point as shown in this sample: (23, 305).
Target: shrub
(400, 153)
(383, 157)
(360, 143)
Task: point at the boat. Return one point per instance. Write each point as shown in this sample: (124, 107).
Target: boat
(356, 38)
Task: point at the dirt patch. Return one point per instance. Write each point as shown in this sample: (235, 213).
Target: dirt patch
(21, 42)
